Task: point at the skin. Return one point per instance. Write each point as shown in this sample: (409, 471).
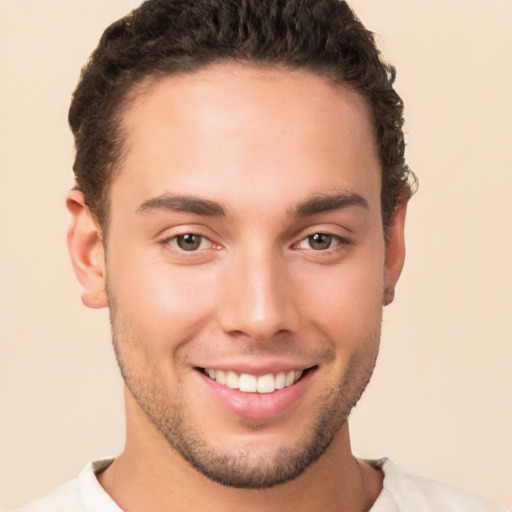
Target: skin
(267, 147)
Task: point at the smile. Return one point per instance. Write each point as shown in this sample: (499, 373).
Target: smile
(247, 383)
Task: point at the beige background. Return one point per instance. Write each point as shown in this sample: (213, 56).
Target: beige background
(440, 402)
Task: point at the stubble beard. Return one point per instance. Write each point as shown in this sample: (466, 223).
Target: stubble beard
(244, 468)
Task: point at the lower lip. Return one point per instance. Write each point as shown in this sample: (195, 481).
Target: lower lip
(257, 405)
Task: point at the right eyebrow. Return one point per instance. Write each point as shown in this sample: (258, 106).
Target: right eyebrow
(187, 204)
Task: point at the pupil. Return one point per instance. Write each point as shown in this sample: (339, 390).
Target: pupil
(189, 242)
(320, 241)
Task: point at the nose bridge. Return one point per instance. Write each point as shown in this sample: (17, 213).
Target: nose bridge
(257, 301)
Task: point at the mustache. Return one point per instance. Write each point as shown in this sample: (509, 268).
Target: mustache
(284, 349)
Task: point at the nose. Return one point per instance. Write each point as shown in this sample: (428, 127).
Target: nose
(257, 297)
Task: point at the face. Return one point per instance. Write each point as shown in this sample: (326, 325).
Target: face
(246, 266)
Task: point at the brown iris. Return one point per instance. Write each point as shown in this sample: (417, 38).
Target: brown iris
(320, 241)
(189, 242)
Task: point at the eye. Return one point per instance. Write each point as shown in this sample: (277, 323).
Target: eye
(189, 242)
(319, 242)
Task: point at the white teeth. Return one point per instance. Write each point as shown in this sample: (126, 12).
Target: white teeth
(247, 383)
(266, 384)
(280, 380)
(232, 380)
(251, 383)
(290, 376)
(220, 377)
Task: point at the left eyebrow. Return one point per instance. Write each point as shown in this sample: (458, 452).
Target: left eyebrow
(186, 204)
(329, 202)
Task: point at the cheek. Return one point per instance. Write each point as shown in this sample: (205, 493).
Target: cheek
(164, 303)
(345, 303)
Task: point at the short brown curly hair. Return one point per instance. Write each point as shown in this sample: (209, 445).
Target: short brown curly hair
(165, 37)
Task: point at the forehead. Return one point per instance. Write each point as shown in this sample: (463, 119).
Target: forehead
(264, 131)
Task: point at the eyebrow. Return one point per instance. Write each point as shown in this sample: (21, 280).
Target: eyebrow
(315, 205)
(186, 204)
(329, 202)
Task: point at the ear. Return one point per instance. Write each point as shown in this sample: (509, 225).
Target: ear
(85, 244)
(395, 252)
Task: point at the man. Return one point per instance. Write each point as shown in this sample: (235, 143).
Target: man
(240, 205)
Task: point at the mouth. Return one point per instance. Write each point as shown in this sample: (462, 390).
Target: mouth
(248, 383)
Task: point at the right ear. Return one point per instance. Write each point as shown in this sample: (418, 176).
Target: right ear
(85, 244)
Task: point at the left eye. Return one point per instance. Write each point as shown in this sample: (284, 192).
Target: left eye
(189, 242)
(319, 242)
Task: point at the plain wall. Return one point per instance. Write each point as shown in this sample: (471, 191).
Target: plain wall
(440, 402)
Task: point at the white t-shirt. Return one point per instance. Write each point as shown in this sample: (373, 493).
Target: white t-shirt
(401, 492)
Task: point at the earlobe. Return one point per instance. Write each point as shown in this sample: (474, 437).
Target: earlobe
(395, 252)
(85, 246)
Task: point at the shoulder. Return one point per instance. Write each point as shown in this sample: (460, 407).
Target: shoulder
(65, 498)
(404, 492)
(83, 494)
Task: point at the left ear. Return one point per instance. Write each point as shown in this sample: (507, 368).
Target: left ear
(395, 252)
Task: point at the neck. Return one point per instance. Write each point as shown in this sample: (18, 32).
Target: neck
(149, 475)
